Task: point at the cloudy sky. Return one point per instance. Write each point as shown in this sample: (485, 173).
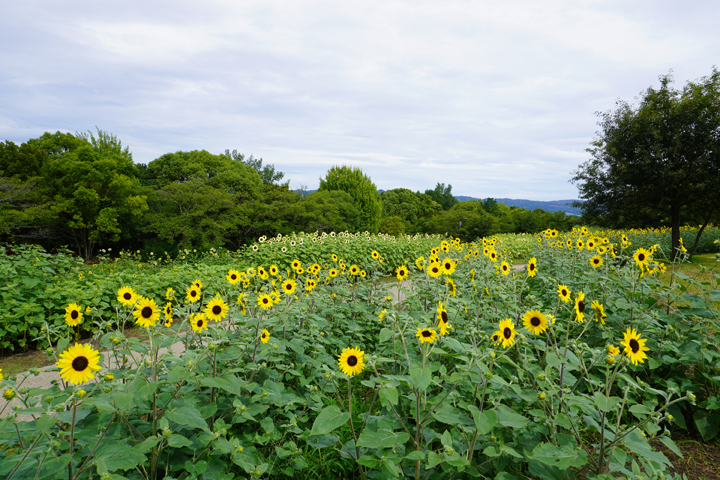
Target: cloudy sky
(495, 98)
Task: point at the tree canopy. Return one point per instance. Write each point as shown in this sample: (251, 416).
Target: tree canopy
(363, 191)
(656, 161)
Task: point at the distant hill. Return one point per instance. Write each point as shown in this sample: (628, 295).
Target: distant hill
(551, 206)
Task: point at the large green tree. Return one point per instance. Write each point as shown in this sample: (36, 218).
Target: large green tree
(414, 208)
(363, 191)
(657, 161)
(443, 195)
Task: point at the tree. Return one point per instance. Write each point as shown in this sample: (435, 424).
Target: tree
(414, 208)
(658, 160)
(466, 220)
(364, 193)
(267, 173)
(443, 195)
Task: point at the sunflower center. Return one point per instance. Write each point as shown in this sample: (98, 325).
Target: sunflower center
(127, 296)
(79, 364)
(444, 316)
(426, 333)
(193, 293)
(216, 310)
(200, 323)
(634, 345)
(507, 332)
(641, 257)
(535, 321)
(263, 335)
(146, 312)
(74, 314)
(532, 267)
(233, 276)
(265, 300)
(352, 360)
(495, 338)
(564, 293)
(581, 306)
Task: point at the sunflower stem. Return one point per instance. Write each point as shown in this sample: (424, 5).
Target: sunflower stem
(72, 440)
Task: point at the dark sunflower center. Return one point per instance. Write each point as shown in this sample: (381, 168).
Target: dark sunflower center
(193, 293)
(200, 323)
(634, 345)
(127, 296)
(641, 257)
(426, 333)
(535, 321)
(146, 312)
(265, 300)
(495, 338)
(352, 360)
(581, 306)
(233, 276)
(79, 364)
(448, 266)
(216, 310)
(444, 316)
(288, 287)
(507, 332)
(168, 310)
(532, 267)
(564, 293)
(74, 314)
(263, 335)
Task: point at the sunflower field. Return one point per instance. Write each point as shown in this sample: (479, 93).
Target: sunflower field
(580, 365)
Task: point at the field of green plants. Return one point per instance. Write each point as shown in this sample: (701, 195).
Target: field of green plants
(299, 362)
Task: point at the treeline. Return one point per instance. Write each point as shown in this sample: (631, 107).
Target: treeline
(85, 191)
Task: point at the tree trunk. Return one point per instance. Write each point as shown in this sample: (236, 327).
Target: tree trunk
(675, 224)
(697, 237)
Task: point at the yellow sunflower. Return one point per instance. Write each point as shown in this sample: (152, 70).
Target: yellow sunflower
(532, 267)
(168, 312)
(333, 273)
(596, 261)
(126, 296)
(73, 314)
(493, 255)
(580, 307)
(375, 255)
(535, 322)
(288, 286)
(599, 311)
(504, 268)
(295, 264)
(448, 266)
(198, 322)
(428, 335)
(265, 301)
(496, 337)
(564, 293)
(434, 270)
(216, 309)
(78, 363)
(451, 285)
(443, 319)
(334, 257)
(642, 257)
(579, 244)
(265, 336)
(193, 293)
(147, 312)
(363, 273)
(233, 277)
(507, 332)
(401, 272)
(250, 272)
(169, 293)
(198, 284)
(420, 263)
(351, 361)
(273, 270)
(354, 269)
(613, 350)
(634, 346)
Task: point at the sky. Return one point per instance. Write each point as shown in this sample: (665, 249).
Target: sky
(497, 99)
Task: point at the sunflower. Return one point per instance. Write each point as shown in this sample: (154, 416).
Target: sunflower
(420, 263)
(382, 315)
(596, 261)
(73, 314)
(564, 293)
(273, 270)
(634, 347)
(401, 272)
(507, 332)
(77, 363)
(198, 322)
(193, 294)
(428, 335)
(504, 268)
(642, 257)
(434, 270)
(233, 277)
(126, 296)
(363, 273)
(591, 244)
(198, 284)
(535, 322)
(493, 255)
(579, 244)
(569, 244)
(375, 255)
(261, 272)
(496, 337)
(265, 301)
(168, 312)
(351, 361)
(310, 284)
(146, 313)
(599, 311)
(354, 269)
(333, 273)
(532, 267)
(580, 307)
(448, 266)
(613, 350)
(170, 293)
(295, 264)
(288, 286)
(443, 319)
(216, 309)
(299, 271)
(451, 286)
(264, 336)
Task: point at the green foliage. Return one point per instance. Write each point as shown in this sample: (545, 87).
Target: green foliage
(442, 195)
(413, 208)
(364, 193)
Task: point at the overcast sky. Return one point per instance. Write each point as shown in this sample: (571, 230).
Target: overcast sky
(495, 98)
